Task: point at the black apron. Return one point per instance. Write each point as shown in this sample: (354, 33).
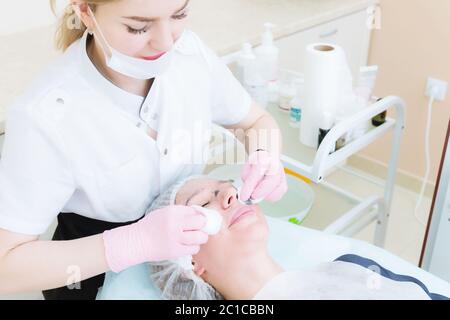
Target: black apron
(72, 226)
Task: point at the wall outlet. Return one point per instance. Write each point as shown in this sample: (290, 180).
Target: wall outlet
(442, 88)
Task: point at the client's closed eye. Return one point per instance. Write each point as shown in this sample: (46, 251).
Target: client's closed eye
(204, 205)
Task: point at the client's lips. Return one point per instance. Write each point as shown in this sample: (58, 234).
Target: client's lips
(239, 213)
(154, 57)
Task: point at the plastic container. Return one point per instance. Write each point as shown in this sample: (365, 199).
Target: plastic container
(268, 54)
(296, 105)
(287, 90)
(245, 57)
(366, 82)
(273, 93)
(295, 116)
(343, 140)
(379, 119)
(325, 125)
(254, 81)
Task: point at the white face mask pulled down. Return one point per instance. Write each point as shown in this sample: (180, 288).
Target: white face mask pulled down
(132, 67)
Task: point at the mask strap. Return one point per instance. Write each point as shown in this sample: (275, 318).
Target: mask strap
(76, 9)
(106, 47)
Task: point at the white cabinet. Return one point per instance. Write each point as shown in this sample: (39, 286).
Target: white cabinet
(350, 32)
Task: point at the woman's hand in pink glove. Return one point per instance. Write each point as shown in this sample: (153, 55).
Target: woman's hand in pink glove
(163, 234)
(264, 178)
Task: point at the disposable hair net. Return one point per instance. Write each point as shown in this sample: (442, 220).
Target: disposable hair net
(167, 197)
(177, 283)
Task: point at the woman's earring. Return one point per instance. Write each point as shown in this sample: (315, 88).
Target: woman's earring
(90, 32)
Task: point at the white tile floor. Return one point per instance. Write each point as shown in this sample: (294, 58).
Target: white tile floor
(405, 232)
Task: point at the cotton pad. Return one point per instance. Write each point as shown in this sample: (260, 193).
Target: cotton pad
(213, 220)
(238, 186)
(213, 224)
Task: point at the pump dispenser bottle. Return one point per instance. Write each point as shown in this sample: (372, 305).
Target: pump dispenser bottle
(268, 54)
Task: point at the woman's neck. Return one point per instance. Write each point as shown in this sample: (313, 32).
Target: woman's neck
(245, 277)
(135, 86)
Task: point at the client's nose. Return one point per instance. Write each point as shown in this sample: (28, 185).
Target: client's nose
(229, 197)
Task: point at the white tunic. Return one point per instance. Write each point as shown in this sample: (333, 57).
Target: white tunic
(75, 142)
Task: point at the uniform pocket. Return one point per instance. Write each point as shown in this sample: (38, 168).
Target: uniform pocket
(127, 189)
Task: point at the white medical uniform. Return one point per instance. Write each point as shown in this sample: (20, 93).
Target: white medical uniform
(77, 143)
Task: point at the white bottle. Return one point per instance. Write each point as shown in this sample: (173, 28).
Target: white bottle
(254, 81)
(245, 57)
(366, 82)
(296, 105)
(268, 54)
(360, 104)
(273, 93)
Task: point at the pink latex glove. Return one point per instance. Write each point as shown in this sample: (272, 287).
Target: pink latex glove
(164, 234)
(263, 177)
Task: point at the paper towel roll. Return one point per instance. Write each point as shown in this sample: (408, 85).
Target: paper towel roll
(327, 78)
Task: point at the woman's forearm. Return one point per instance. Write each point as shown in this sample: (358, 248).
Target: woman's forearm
(41, 265)
(264, 134)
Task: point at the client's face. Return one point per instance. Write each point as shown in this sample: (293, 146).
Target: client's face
(244, 229)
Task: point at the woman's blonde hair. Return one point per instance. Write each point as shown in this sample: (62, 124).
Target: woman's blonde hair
(70, 27)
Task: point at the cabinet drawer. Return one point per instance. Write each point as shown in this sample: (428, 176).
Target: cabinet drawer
(350, 32)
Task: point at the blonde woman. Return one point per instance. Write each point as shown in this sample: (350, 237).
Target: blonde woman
(104, 130)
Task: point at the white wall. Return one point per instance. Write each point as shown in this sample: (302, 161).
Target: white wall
(413, 44)
(23, 15)
(26, 45)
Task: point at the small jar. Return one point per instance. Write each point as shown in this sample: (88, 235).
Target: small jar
(379, 119)
(326, 123)
(344, 139)
(273, 92)
(287, 91)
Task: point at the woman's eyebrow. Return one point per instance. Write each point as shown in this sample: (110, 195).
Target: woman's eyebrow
(145, 19)
(183, 7)
(193, 195)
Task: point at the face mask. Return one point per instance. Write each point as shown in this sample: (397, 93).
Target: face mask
(129, 66)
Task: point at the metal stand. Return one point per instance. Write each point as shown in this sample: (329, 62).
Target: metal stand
(363, 214)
